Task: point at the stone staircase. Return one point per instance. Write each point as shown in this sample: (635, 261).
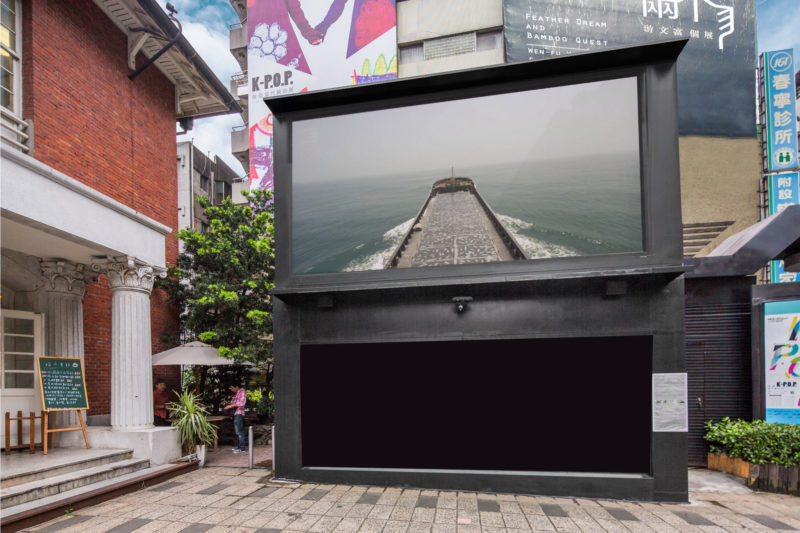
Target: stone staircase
(35, 488)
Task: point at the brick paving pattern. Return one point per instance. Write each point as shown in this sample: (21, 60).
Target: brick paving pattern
(232, 500)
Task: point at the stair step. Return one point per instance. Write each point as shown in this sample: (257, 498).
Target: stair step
(28, 514)
(24, 468)
(51, 486)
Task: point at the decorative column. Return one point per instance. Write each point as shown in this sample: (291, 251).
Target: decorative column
(65, 283)
(131, 282)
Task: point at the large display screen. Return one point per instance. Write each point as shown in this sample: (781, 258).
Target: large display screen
(517, 176)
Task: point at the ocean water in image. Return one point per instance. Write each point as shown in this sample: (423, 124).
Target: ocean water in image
(553, 208)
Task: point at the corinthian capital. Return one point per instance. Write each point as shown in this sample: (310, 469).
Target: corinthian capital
(129, 273)
(66, 276)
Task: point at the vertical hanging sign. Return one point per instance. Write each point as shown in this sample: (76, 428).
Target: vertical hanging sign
(779, 129)
(299, 45)
(784, 190)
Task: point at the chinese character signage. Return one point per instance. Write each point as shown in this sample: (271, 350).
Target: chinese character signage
(782, 360)
(779, 130)
(303, 45)
(784, 190)
(716, 88)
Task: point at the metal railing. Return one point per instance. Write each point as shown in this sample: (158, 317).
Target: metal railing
(240, 78)
(16, 132)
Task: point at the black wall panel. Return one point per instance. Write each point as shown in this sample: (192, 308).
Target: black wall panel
(532, 405)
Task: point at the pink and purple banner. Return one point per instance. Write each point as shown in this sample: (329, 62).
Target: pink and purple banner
(296, 46)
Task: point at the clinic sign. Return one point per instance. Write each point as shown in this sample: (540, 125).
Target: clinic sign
(779, 123)
(784, 190)
(782, 361)
(715, 70)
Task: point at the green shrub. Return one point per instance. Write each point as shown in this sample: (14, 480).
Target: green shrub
(756, 441)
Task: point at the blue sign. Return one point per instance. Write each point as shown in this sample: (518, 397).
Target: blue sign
(784, 190)
(780, 122)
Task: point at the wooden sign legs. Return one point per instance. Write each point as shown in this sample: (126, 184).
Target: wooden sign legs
(47, 432)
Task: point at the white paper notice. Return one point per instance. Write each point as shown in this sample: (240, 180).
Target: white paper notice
(670, 408)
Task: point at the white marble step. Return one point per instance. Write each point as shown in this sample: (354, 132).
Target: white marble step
(20, 467)
(51, 486)
(8, 513)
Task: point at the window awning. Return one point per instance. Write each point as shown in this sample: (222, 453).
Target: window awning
(777, 237)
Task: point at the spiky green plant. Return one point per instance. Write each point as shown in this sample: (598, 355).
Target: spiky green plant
(189, 416)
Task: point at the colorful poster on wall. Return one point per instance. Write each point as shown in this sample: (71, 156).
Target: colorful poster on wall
(303, 45)
(779, 131)
(716, 87)
(782, 360)
(784, 190)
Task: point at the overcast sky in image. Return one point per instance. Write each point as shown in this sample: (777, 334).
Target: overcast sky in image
(206, 25)
(562, 122)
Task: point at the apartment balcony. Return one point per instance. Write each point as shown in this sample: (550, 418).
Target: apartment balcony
(16, 132)
(240, 144)
(240, 90)
(238, 43)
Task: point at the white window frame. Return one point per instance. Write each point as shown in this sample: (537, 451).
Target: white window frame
(38, 350)
(16, 60)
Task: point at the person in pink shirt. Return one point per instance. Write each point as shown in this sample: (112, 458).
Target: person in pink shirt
(239, 400)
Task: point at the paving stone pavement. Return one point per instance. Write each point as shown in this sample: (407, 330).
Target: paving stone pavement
(232, 500)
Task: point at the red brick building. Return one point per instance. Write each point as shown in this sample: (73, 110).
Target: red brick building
(89, 194)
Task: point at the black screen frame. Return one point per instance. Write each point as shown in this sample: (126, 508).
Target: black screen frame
(654, 65)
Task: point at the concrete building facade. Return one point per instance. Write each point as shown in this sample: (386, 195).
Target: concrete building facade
(201, 175)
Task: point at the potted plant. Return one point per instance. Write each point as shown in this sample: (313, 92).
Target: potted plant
(194, 429)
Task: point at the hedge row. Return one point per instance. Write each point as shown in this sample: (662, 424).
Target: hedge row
(756, 441)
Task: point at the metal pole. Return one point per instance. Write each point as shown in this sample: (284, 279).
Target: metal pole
(250, 445)
(273, 447)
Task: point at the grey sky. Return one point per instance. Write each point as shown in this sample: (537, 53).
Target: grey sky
(576, 120)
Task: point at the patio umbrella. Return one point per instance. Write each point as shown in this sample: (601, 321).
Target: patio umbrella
(194, 353)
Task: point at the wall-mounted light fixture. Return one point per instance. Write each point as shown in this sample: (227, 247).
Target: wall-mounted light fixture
(461, 303)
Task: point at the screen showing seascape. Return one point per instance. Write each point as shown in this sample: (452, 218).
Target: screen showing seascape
(518, 176)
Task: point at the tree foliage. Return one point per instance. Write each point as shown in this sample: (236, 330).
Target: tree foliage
(223, 277)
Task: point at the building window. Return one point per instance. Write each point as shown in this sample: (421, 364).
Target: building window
(451, 45)
(205, 184)
(21, 343)
(222, 190)
(10, 57)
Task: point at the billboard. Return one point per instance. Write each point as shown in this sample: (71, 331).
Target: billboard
(562, 178)
(715, 71)
(782, 361)
(296, 46)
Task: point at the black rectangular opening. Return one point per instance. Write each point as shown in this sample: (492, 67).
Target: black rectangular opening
(566, 404)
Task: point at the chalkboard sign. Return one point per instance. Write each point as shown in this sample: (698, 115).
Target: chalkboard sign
(62, 384)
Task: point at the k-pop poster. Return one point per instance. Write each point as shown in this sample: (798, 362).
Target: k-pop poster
(302, 45)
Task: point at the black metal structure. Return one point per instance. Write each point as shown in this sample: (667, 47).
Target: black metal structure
(717, 355)
(724, 324)
(540, 380)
